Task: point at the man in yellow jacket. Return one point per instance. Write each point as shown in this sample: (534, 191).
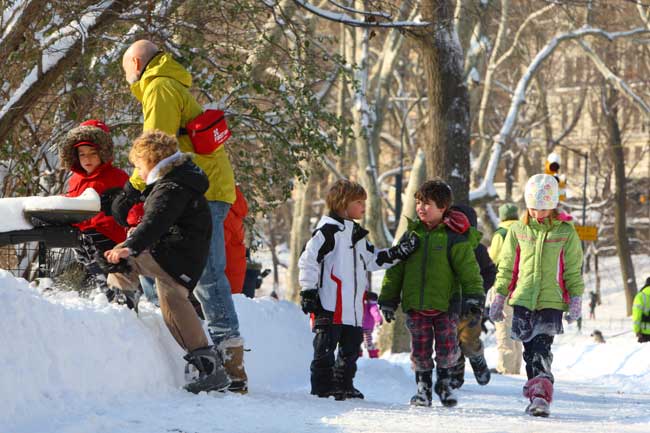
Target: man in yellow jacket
(162, 86)
(641, 313)
(510, 351)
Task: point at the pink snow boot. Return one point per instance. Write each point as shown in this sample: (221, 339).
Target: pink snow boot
(540, 392)
(373, 353)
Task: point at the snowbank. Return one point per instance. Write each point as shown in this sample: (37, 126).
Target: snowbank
(59, 351)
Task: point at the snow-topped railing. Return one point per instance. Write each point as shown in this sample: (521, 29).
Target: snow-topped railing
(486, 188)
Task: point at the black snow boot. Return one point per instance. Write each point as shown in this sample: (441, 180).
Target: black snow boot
(481, 370)
(457, 372)
(212, 374)
(443, 388)
(352, 392)
(423, 396)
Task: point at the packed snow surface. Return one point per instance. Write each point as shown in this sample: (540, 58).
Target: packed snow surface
(71, 364)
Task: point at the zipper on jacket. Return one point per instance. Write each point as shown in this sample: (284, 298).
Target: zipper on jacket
(354, 302)
(424, 269)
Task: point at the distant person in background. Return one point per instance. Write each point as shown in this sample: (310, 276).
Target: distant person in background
(641, 313)
(540, 276)
(593, 301)
(234, 236)
(470, 309)
(371, 319)
(510, 351)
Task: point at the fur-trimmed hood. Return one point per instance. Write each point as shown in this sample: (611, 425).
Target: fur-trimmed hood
(68, 154)
(181, 170)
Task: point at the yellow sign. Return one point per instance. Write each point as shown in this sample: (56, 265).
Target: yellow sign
(587, 233)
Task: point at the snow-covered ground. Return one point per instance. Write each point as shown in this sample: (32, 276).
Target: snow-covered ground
(75, 365)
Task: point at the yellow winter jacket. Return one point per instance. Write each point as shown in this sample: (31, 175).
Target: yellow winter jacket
(168, 105)
(497, 241)
(640, 308)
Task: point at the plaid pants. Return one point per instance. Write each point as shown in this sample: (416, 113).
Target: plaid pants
(423, 328)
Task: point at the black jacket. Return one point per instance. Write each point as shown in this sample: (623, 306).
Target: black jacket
(177, 224)
(488, 268)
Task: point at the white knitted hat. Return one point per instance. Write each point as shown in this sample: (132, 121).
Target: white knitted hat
(541, 192)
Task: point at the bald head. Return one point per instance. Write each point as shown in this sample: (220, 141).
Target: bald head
(136, 58)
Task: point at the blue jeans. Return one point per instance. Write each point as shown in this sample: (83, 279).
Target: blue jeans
(213, 289)
(149, 289)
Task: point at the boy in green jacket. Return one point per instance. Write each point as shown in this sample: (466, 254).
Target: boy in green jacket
(424, 284)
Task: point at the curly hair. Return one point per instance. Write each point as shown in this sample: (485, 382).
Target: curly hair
(436, 190)
(342, 192)
(153, 146)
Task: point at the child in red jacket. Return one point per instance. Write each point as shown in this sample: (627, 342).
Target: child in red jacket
(234, 235)
(87, 151)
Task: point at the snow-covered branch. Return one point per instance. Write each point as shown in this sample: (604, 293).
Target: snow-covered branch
(54, 59)
(486, 188)
(370, 21)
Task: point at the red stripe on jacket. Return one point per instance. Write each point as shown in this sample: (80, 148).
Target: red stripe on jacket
(560, 277)
(338, 310)
(515, 272)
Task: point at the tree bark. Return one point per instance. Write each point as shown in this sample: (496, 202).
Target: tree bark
(10, 116)
(299, 233)
(447, 147)
(620, 222)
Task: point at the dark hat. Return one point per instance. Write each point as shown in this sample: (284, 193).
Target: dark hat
(508, 211)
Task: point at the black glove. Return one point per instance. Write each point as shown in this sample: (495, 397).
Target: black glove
(388, 310)
(309, 301)
(122, 267)
(106, 199)
(405, 247)
(473, 307)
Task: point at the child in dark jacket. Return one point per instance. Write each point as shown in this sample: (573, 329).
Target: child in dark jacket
(171, 245)
(334, 275)
(471, 309)
(87, 151)
(425, 284)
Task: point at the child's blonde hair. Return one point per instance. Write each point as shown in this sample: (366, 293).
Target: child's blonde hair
(526, 217)
(153, 146)
(342, 192)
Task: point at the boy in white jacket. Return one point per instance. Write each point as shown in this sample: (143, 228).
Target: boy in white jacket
(333, 276)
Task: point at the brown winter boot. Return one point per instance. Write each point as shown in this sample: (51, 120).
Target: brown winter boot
(233, 361)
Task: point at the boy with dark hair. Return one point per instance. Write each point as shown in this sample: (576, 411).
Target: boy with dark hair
(425, 283)
(333, 275)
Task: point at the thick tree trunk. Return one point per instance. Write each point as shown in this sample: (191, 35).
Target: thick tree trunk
(447, 148)
(620, 223)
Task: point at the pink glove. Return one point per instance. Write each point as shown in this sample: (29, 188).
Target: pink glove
(575, 309)
(496, 308)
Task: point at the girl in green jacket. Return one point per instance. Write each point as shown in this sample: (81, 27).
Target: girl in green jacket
(540, 276)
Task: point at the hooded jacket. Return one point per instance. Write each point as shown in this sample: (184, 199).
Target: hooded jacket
(336, 261)
(427, 279)
(104, 177)
(540, 264)
(176, 226)
(167, 105)
(641, 311)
